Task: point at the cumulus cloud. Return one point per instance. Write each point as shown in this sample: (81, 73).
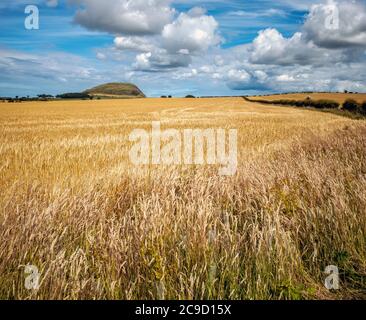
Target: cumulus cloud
(271, 47)
(133, 43)
(337, 25)
(187, 46)
(191, 32)
(331, 33)
(160, 60)
(125, 17)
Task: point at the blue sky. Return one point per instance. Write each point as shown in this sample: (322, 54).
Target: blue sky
(183, 47)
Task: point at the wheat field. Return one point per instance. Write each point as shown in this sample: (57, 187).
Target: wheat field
(98, 227)
(338, 97)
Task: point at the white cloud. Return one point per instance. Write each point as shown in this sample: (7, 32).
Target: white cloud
(101, 56)
(160, 60)
(271, 47)
(238, 75)
(285, 78)
(321, 32)
(337, 25)
(124, 17)
(190, 35)
(260, 75)
(133, 43)
(52, 3)
(190, 32)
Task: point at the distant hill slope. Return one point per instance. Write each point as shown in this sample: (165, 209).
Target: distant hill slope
(116, 90)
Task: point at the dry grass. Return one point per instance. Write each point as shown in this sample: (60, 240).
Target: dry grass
(99, 228)
(338, 97)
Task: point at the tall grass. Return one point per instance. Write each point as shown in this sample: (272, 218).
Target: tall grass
(185, 232)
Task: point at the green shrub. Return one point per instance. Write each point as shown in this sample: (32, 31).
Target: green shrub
(324, 104)
(363, 108)
(350, 105)
(319, 104)
(300, 103)
(74, 95)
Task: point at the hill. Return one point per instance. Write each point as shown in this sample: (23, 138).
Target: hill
(116, 90)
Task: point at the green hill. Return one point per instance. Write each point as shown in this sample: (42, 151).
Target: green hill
(116, 90)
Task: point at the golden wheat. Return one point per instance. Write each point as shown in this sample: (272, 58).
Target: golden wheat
(98, 227)
(338, 97)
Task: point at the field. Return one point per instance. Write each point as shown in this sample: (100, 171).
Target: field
(338, 97)
(98, 227)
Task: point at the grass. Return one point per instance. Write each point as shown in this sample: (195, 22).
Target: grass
(99, 228)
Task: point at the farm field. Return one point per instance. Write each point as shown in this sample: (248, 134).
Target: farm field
(99, 227)
(338, 97)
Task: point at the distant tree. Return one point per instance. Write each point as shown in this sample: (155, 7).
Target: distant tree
(189, 96)
(45, 96)
(345, 91)
(73, 95)
(169, 97)
(163, 97)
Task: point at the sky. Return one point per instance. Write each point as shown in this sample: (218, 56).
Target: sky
(180, 47)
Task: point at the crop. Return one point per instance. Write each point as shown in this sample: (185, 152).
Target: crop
(98, 227)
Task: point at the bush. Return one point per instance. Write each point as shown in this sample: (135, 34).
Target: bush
(300, 103)
(325, 104)
(319, 104)
(350, 105)
(74, 95)
(363, 108)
